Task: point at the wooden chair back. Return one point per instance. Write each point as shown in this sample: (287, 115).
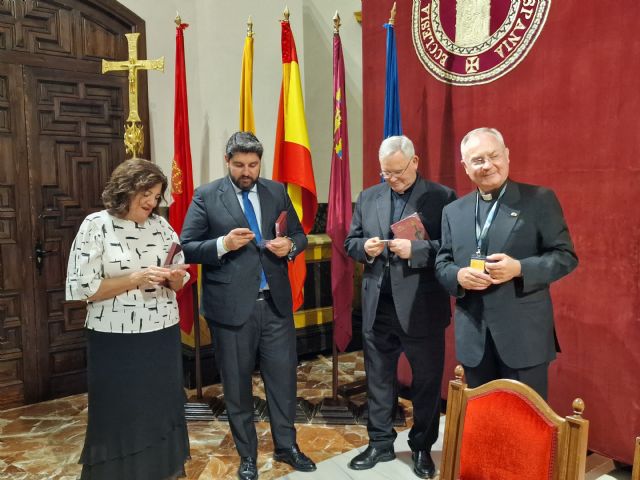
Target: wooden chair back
(635, 473)
(511, 434)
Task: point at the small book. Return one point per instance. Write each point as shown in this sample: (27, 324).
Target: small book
(410, 228)
(281, 224)
(174, 249)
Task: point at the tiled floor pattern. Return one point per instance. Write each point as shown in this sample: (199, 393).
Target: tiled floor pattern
(43, 441)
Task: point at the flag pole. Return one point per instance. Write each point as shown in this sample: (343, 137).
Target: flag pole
(392, 126)
(193, 410)
(292, 166)
(334, 410)
(247, 123)
(334, 352)
(249, 27)
(392, 18)
(196, 307)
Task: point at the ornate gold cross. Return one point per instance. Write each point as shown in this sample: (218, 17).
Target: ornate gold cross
(133, 138)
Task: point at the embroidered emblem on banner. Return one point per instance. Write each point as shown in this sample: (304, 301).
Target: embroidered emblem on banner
(471, 42)
(176, 178)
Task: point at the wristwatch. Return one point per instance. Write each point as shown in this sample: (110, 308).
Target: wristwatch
(292, 249)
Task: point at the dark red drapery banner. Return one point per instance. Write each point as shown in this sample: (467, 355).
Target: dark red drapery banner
(569, 114)
(182, 177)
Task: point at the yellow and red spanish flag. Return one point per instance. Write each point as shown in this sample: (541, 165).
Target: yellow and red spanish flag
(247, 123)
(292, 158)
(182, 177)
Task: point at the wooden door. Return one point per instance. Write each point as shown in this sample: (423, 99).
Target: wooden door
(61, 128)
(17, 320)
(75, 129)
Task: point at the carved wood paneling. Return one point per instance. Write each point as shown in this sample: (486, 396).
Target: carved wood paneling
(71, 35)
(18, 380)
(64, 28)
(98, 41)
(5, 120)
(61, 128)
(42, 27)
(76, 128)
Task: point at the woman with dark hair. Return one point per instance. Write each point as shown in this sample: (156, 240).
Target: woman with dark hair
(136, 428)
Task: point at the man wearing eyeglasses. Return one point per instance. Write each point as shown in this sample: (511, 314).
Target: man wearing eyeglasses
(502, 246)
(403, 306)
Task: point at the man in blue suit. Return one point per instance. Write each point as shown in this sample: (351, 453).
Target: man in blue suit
(246, 295)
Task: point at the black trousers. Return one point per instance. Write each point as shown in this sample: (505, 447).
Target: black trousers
(491, 367)
(382, 348)
(272, 339)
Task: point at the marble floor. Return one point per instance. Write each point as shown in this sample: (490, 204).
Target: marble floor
(43, 441)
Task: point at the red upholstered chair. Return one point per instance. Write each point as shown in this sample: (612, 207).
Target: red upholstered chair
(635, 473)
(405, 376)
(504, 430)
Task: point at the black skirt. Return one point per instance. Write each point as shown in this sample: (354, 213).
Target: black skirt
(136, 428)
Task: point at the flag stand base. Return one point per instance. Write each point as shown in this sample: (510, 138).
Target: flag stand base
(198, 412)
(219, 408)
(305, 410)
(352, 389)
(336, 411)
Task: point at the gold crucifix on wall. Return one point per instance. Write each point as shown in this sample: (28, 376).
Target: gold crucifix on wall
(133, 137)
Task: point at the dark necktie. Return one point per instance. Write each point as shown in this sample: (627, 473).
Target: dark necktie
(250, 213)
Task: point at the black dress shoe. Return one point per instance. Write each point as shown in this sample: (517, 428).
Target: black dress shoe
(248, 469)
(294, 457)
(370, 457)
(423, 465)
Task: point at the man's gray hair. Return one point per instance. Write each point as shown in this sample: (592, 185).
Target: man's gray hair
(398, 143)
(478, 131)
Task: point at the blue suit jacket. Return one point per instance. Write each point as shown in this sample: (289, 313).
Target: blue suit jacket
(230, 283)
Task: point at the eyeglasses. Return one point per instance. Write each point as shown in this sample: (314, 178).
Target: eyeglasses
(479, 162)
(387, 175)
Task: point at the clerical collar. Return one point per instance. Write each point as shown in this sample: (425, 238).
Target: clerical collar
(492, 195)
(407, 191)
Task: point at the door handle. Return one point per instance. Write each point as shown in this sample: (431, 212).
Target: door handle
(40, 254)
(3, 334)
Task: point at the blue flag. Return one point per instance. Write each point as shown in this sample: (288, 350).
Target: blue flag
(392, 121)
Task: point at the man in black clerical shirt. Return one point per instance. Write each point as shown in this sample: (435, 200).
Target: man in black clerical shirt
(403, 306)
(502, 246)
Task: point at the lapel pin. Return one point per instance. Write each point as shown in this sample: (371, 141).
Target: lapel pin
(514, 214)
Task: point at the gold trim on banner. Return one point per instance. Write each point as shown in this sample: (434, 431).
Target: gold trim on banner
(486, 56)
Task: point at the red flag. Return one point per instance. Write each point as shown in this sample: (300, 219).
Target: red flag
(292, 158)
(181, 176)
(339, 209)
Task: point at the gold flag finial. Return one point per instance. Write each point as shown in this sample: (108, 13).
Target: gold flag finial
(392, 18)
(133, 136)
(178, 20)
(286, 13)
(249, 27)
(336, 23)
